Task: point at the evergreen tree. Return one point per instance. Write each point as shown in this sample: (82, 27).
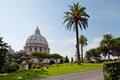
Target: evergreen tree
(66, 60)
(71, 59)
(61, 61)
(3, 52)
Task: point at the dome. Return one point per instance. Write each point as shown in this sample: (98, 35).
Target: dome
(37, 41)
(37, 38)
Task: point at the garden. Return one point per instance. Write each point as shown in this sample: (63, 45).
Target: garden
(55, 69)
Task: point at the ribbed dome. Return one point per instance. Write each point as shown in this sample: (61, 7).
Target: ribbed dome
(37, 39)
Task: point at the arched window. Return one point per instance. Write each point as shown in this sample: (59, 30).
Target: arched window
(30, 49)
(35, 49)
(40, 49)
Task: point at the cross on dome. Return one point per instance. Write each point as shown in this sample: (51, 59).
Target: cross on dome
(37, 31)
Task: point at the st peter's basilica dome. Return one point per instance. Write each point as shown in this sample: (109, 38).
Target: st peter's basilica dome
(36, 43)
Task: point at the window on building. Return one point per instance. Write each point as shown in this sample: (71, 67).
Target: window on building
(35, 49)
(40, 49)
(30, 49)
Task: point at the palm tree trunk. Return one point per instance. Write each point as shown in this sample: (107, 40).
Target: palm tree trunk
(109, 52)
(105, 58)
(77, 43)
(81, 53)
(108, 56)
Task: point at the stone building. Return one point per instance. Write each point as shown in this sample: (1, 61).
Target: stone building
(36, 43)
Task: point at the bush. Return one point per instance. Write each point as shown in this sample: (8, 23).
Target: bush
(111, 70)
(52, 62)
(5, 68)
(13, 67)
(91, 61)
(37, 65)
(66, 60)
(61, 61)
(30, 65)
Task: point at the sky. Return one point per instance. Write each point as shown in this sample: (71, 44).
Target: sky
(20, 18)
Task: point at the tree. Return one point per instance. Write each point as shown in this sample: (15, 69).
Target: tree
(61, 61)
(116, 47)
(66, 60)
(40, 55)
(3, 52)
(104, 51)
(16, 57)
(93, 54)
(107, 41)
(74, 18)
(71, 59)
(13, 67)
(83, 42)
(56, 56)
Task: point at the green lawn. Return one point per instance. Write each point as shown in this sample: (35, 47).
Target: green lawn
(52, 70)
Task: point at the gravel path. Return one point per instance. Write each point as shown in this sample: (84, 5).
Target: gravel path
(87, 75)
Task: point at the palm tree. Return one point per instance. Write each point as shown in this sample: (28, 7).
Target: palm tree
(74, 18)
(83, 42)
(107, 41)
(104, 51)
(116, 47)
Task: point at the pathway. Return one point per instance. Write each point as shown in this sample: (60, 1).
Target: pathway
(87, 75)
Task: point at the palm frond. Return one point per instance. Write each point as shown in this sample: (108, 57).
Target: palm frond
(80, 26)
(66, 19)
(67, 13)
(69, 25)
(76, 15)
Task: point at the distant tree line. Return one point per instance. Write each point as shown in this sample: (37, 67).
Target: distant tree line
(109, 45)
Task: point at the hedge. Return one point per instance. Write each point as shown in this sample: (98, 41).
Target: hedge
(111, 70)
(13, 67)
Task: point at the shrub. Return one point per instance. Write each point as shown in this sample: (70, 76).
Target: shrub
(61, 61)
(6, 67)
(91, 61)
(37, 65)
(111, 70)
(13, 67)
(28, 74)
(30, 65)
(47, 67)
(66, 60)
(36, 71)
(42, 69)
(52, 62)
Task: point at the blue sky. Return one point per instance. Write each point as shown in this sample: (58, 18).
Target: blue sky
(19, 19)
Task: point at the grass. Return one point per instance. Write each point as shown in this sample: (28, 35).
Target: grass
(55, 69)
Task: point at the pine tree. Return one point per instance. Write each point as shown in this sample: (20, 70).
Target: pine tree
(71, 59)
(3, 52)
(66, 60)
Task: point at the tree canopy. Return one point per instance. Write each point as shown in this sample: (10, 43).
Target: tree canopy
(3, 52)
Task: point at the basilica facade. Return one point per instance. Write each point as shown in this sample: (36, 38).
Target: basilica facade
(36, 43)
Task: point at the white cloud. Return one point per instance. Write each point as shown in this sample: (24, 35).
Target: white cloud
(94, 44)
